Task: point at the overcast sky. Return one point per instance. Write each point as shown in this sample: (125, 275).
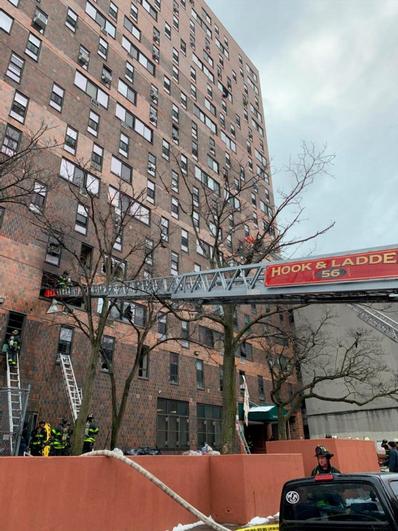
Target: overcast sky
(329, 74)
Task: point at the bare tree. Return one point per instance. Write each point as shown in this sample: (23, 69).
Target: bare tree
(22, 173)
(146, 339)
(237, 222)
(109, 221)
(350, 370)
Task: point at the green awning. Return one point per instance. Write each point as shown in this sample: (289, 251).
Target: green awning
(263, 413)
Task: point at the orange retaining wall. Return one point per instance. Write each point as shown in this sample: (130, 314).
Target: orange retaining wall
(349, 455)
(84, 493)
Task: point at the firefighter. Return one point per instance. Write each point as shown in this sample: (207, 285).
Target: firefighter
(47, 447)
(57, 441)
(14, 346)
(90, 434)
(38, 438)
(64, 281)
(324, 467)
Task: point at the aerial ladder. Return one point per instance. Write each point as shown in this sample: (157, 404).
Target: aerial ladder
(15, 411)
(72, 390)
(378, 320)
(369, 276)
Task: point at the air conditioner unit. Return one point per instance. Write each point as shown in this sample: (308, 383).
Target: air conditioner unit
(83, 58)
(94, 102)
(106, 78)
(40, 20)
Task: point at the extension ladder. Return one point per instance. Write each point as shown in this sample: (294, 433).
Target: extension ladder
(242, 438)
(73, 392)
(14, 401)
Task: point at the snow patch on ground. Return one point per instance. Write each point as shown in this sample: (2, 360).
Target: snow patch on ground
(181, 527)
(259, 520)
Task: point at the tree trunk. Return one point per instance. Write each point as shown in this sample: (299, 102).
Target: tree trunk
(228, 437)
(118, 412)
(282, 428)
(81, 420)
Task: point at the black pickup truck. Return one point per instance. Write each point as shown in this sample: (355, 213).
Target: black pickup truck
(339, 501)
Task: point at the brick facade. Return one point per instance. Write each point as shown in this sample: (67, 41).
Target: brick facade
(23, 246)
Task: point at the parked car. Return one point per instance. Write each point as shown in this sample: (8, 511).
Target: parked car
(347, 502)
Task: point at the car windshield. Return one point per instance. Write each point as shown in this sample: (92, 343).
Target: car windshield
(333, 501)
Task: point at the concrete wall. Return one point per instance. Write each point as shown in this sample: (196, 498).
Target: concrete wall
(349, 455)
(82, 493)
(378, 419)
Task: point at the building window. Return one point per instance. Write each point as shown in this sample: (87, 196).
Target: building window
(184, 241)
(122, 170)
(71, 19)
(54, 248)
(143, 365)
(148, 258)
(15, 67)
(81, 221)
(175, 208)
(164, 229)
(124, 142)
(261, 388)
(19, 107)
(11, 141)
(153, 115)
(96, 94)
(221, 378)
(33, 47)
(107, 349)
(209, 337)
(127, 92)
(165, 150)
(97, 157)
(167, 30)
(134, 52)
(154, 95)
(172, 426)
(74, 174)
(57, 97)
(65, 341)
(5, 21)
(209, 425)
(132, 122)
(70, 142)
(99, 18)
(246, 351)
(151, 192)
(38, 197)
(113, 9)
(162, 325)
(185, 334)
(83, 57)
(102, 50)
(175, 264)
(175, 134)
(200, 374)
(174, 366)
(184, 100)
(167, 84)
(106, 76)
(174, 181)
(86, 256)
(151, 167)
(93, 123)
(129, 72)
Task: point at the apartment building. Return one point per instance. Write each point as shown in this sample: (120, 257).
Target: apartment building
(147, 94)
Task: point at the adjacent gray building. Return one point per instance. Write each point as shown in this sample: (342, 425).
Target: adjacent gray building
(377, 419)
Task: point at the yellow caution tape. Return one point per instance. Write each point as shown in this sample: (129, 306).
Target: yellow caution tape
(268, 527)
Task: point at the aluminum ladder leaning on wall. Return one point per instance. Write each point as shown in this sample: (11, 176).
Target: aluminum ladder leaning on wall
(14, 401)
(73, 392)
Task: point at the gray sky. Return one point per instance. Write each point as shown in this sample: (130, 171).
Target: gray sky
(329, 74)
